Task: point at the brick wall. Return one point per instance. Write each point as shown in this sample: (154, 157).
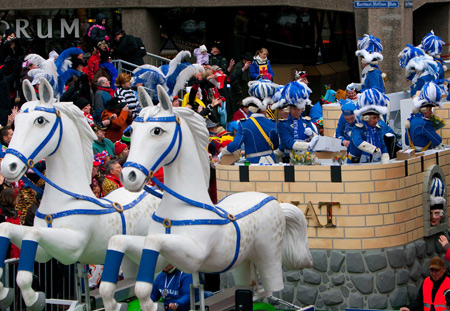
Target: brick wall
(380, 205)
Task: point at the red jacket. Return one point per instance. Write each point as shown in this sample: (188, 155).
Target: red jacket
(439, 298)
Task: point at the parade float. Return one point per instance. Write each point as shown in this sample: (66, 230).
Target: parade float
(368, 224)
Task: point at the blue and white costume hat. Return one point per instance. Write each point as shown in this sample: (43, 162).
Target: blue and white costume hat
(422, 64)
(372, 101)
(432, 44)
(431, 94)
(437, 193)
(263, 89)
(348, 107)
(294, 93)
(409, 53)
(370, 49)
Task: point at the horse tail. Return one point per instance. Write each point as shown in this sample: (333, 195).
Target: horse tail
(296, 254)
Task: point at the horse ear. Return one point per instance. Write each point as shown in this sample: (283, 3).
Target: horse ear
(28, 91)
(164, 99)
(144, 98)
(45, 92)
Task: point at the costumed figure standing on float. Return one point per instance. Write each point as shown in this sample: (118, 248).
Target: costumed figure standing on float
(367, 142)
(422, 69)
(347, 122)
(432, 45)
(296, 132)
(421, 133)
(257, 133)
(370, 54)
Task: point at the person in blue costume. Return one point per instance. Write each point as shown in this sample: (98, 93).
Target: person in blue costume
(425, 69)
(260, 68)
(367, 141)
(173, 287)
(420, 134)
(347, 122)
(370, 53)
(316, 112)
(432, 45)
(406, 55)
(296, 133)
(257, 133)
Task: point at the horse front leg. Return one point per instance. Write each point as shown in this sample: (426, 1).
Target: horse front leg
(55, 240)
(8, 233)
(118, 246)
(175, 249)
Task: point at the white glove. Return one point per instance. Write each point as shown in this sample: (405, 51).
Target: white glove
(385, 158)
(219, 157)
(308, 131)
(313, 141)
(377, 153)
(354, 86)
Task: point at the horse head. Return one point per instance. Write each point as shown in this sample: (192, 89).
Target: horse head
(37, 132)
(155, 140)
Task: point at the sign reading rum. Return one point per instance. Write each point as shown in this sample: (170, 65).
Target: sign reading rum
(65, 27)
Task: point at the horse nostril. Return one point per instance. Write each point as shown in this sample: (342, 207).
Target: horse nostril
(13, 167)
(132, 176)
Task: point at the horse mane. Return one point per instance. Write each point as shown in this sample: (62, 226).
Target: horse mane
(201, 136)
(86, 134)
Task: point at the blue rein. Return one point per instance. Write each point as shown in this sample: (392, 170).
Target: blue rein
(168, 223)
(109, 207)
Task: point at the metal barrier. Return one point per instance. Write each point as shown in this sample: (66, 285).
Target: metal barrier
(149, 59)
(56, 280)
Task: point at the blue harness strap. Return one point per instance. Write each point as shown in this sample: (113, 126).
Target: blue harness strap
(27, 255)
(146, 271)
(168, 223)
(4, 244)
(112, 264)
(109, 207)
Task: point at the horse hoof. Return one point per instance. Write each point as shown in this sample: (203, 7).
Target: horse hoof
(8, 299)
(123, 307)
(39, 304)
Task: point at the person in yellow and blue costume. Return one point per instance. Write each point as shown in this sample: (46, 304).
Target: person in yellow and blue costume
(296, 132)
(370, 49)
(432, 45)
(367, 142)
(420, 133)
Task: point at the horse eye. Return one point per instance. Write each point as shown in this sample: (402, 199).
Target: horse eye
(40, 120)
(156, 131)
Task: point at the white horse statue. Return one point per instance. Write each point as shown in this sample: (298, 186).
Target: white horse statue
(71, 224)
(187, 229)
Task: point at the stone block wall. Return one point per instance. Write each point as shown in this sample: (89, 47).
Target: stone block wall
(387, 278)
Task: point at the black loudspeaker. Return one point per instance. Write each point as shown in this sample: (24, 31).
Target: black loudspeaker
(243, 300)
(390, 142)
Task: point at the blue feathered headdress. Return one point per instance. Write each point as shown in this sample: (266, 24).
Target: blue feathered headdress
(263, 89)
(437, 192)
(409, 53)
(422, 64)
(370, 49)
(432, 44)
(63, 68)
(171, 77)
(293, 94)
(372, 100)
(431, 94)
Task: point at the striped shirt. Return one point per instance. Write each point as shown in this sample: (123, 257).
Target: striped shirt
(129, 97)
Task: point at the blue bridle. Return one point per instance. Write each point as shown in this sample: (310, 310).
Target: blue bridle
(168, 223)
(109, 206)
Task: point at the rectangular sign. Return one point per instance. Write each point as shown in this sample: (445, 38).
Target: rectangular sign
(375, 4)
(408, 4)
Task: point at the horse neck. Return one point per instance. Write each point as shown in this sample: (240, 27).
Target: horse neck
(66, 167)
(185, 174)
